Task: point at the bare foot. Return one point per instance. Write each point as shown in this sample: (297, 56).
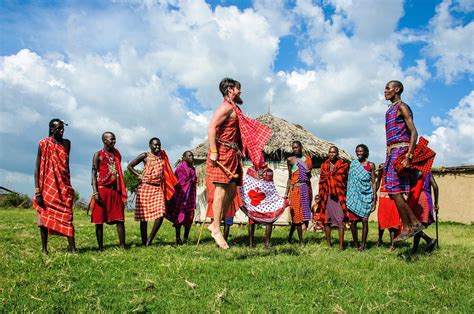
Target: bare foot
(217, 235)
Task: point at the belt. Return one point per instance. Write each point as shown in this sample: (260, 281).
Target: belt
(298, 184)
(154, 184)
(110, 187)
(390, 147)
(231, 145)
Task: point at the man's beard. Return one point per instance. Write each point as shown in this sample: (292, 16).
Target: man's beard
(238, 100)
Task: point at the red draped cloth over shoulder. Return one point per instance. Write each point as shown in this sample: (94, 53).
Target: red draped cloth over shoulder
(56, 190)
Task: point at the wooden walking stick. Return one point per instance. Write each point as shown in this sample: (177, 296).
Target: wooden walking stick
(437, 238)
(233, 175)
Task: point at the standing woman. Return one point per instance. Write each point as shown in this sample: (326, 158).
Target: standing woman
(298, 189)
(361, 191)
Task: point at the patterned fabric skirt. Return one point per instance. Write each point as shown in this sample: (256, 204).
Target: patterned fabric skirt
(150, 202)
(334, 213)
(387, 212)
(113, 210)
(299, 208)
(394, 183)
(354, 217)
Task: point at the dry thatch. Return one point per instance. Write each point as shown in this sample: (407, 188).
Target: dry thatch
(278, 146)
(453, 170)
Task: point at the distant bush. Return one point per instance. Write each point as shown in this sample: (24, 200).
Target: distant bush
(15, 200)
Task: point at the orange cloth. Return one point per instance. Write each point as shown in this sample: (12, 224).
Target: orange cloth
(55, 186)
(296, 210)
(169, 178)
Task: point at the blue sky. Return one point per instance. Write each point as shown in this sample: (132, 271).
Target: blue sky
(151, 68)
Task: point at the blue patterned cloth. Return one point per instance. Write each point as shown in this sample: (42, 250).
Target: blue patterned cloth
(359, 190)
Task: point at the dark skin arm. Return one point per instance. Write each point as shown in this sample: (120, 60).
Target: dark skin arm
(38, 197)
(404, 112)
(374, 186)
(378, 180)
(434, 185)
(140, 158)
(289, 164)
(95, 167)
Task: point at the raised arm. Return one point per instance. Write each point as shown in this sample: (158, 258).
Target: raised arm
(131, 165)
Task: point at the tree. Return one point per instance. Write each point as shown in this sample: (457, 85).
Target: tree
(131, 181)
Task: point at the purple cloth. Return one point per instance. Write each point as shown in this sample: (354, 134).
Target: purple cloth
(184, 199)
(335, 214)
(305, 198)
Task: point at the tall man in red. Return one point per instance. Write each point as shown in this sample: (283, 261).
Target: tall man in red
(401, 133)
(109, 192)
(231, 134)
(54, 194)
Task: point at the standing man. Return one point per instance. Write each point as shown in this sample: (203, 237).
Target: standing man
(54, 194)
(183, 203)
(401, 133)
(231, 134)
(109, 192)
(157, 185)
(332, 194)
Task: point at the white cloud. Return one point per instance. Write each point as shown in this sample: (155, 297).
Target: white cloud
(451, 43)
(453, 139)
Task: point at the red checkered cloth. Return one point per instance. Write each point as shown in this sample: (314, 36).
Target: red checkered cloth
(333, 182)
(423, 158)
(254, 137)
(55, 186)
(229, 157)
(150, 202)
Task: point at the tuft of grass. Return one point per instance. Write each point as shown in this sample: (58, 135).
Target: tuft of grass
(190, 278)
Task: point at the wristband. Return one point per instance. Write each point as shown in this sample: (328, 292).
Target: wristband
(214, 151)
(37, 191)
(409, 156)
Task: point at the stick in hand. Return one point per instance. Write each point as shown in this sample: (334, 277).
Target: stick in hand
(233, 175)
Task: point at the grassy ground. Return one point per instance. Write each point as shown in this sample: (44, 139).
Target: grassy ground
(285, 278)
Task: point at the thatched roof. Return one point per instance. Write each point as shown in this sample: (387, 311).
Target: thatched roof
(278, 146)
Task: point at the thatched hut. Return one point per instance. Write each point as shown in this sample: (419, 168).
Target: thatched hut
(276, 151)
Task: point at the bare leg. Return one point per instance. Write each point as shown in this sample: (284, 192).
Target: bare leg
(154, 230)
(392, 237)
(341, 238)
(380, 240)
(365, 232)
(354, 234)
(177, 229)
(268, 235)
(292, 230)
(186, 233)
(143, 231)
(251, 235)
(71, 247)
(299, 229)
(416, 242)
(121, 234)
(99, 233)
(408, 218)
(226, 231)
(44, 239)
(327, 231)
(223, 196)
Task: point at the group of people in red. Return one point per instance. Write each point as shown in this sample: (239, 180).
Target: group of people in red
(347, 192)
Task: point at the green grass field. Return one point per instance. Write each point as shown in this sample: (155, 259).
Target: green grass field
(285, 278)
